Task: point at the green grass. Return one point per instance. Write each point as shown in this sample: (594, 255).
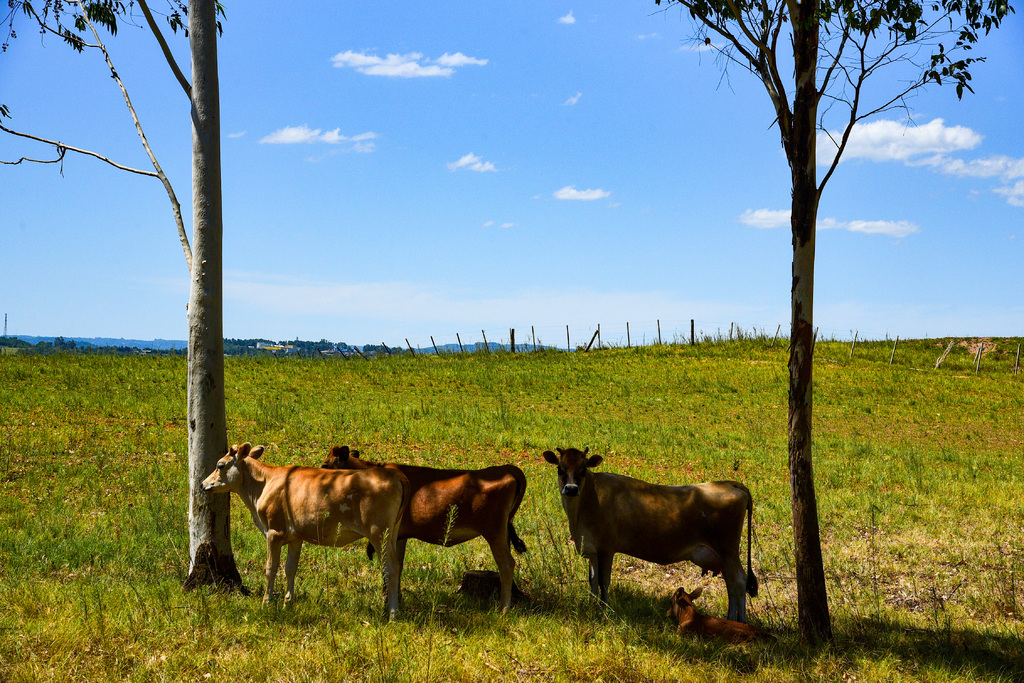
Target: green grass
(918, 473)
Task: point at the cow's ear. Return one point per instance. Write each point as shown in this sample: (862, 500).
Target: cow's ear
(353, 454)
(243, 450)
(256, 452)
(696, 592)
(340, 453)
(594, 461)
(551, 457)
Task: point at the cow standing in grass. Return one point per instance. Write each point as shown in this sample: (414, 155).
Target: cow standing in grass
(292, 505)
(611, 513)
(484, 502)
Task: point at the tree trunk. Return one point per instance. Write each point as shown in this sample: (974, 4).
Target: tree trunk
(211, 559)
(812, 598)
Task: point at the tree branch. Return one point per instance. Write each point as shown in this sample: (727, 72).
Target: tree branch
(185, 85)
(175, 206)
(69, 148)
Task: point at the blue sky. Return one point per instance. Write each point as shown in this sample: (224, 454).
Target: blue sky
(402, 172)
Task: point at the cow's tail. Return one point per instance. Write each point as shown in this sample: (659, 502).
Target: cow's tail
(751, 579)
(513, 538)
(517, 543)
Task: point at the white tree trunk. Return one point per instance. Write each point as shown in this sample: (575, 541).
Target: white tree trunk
(211, 560)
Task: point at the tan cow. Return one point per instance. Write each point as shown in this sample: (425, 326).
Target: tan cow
(683, 611)
(294, 504)
(611, 513)
(485, 502)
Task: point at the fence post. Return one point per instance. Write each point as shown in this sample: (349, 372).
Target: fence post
(628, 344)
(659, 332)
(692, 340)
(386, 348)
(730, 331)
(512, 339)
(410, 347)
(591, 341)
(567, 346)
(459, 339)
(599, 336)
(533, 333)
(776, 336)
(360, 352)
(977, 359)
(814, 340)
(893, 355)
(436, 352)
(949, 347)
(486, 345)
(1016, 363)
(854, 343)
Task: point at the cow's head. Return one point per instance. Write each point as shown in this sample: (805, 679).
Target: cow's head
(341, 458)
(682, 601)
(572, 468)
(227, 477)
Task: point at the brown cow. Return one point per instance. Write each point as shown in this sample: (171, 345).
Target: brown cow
(294, 504)
(690, 620)
(485, 502)
(611, 513)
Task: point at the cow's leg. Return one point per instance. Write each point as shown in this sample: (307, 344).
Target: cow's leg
(391, 560)
(275, 539)
(506, 564)
(601, 574)
(291, 565)
(736, 586)
(605, 573)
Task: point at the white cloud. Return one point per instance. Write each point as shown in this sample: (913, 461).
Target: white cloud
(458, 59)
(765, 218)
(411, 65)
(236, 135)
(1014, 194)
(567, 19)
(930, 145)
(648, 36)
(488, 224)
(291, 135)
(1001, 166)
(473, 163)
(768, 218)
(573, 100)
(898, 141)
(508, 225)
(570, 192)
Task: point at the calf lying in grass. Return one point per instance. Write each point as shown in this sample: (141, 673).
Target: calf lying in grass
(292, 505)
(691, 621)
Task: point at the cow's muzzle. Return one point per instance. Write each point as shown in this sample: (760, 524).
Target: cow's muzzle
(570, 490)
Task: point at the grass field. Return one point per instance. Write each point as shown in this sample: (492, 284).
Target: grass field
(919, 484)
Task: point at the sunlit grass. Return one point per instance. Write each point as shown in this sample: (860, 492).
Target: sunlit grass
(918, 474)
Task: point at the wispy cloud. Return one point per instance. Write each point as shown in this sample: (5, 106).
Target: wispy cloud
(1014, 194)
(573, 100)
(570, 192)
(411, 65)
(930, 145)
(770, 218)
(294, 135)
(567, 19)
(898, 141)
(473, 163)
(648, 36)
(236, 135)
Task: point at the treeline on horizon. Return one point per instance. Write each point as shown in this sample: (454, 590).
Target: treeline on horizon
(232, 347)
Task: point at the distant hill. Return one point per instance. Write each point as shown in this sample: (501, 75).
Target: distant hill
(155, 344)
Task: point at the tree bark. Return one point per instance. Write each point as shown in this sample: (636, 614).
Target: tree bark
(812, 597)
(211, 559)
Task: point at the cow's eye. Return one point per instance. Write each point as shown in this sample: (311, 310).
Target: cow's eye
(582, 473)
(561, 471)
(220, 466)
